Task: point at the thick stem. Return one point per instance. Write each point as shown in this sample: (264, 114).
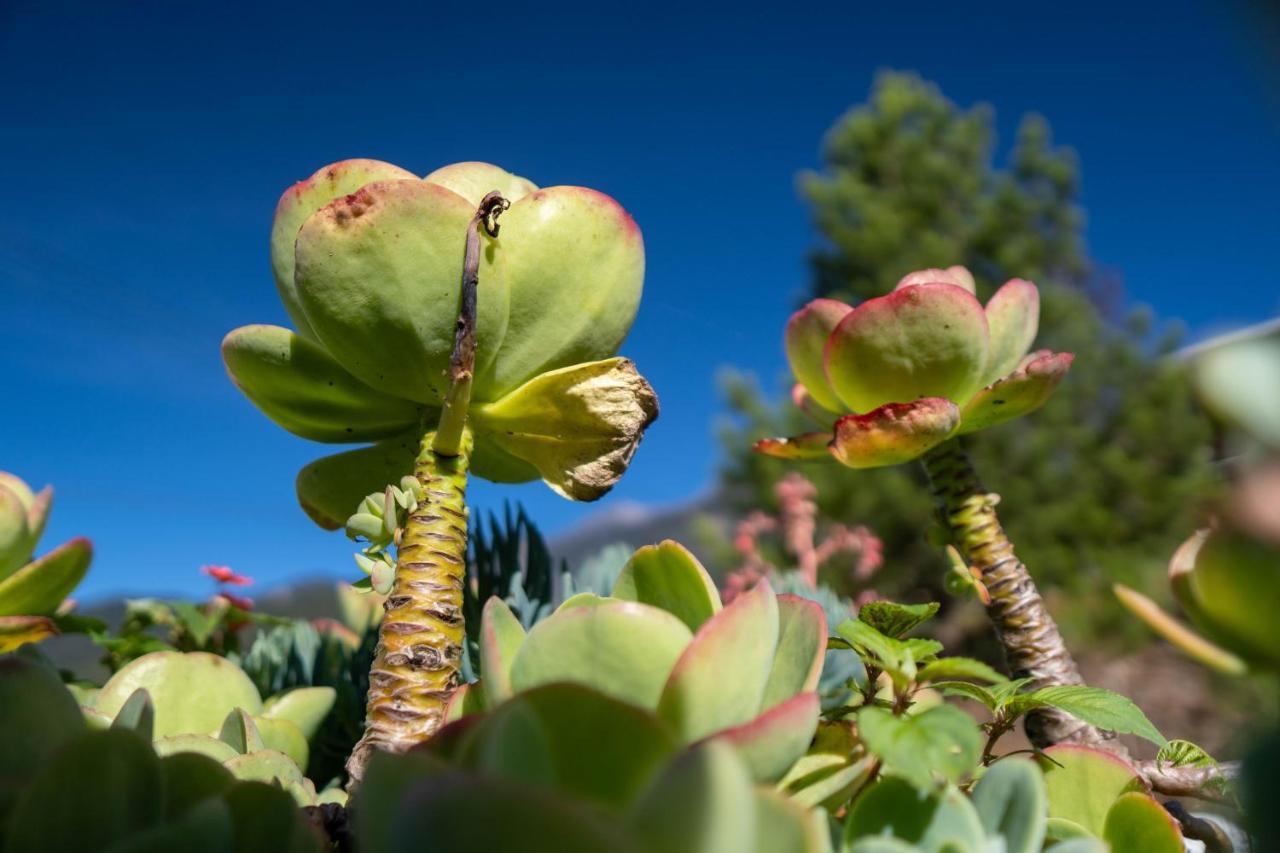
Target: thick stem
(1033, 646)
(415, 668)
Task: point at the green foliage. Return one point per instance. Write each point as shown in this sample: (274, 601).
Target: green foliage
(635, 789)
(63, 787)
(1098, 482)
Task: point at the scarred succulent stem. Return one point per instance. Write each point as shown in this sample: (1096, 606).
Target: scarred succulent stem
(1033, 646)
(462, 363)
(415, 667)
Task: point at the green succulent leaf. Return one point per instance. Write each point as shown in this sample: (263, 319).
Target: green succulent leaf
(297, 384)
(209, 747)
(802, 645)
(501, 636)
(1026, 389)
(929, 340)
(895, 620)
(67, 806)
(579, 425)
(668, 576)
(1083, 783)
(537, 737)
(1240, 383)
(193, 693)
(16, 541)
(1011, 801)
(933, 821)
(702, 803)
(331, 487)
(623, 649)
(720, 678)
(807, 334)
(40, 586)
(240, 732)
(285, 737)
(305, 198)
(474, 180)
(941, 741)
(574, 262)
(785, 826)
(1137, 822)
(190, 778)
(137, 715)
(378, 277)
(38, 716)
(305, 707)
(17, 631)
(772, 742)
(1013, 318)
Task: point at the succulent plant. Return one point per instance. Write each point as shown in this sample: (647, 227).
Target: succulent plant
(902, 373)
(64, 786)
(451, 350)
(744, 673)
(902, 377)
(202, 703)
(564, 767)
(32, 591)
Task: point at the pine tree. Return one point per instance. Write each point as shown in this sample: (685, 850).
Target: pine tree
(1103, 482)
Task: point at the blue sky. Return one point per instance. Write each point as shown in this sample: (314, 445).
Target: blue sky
(144, 145)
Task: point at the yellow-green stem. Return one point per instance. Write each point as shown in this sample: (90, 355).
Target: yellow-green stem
(415, 668)
(1033, 646)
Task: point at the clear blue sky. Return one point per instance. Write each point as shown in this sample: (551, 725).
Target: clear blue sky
(144, 145)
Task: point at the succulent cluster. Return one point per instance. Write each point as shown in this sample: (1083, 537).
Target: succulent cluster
(33, 591)
(367, 259)
(744, 673)
(902, 373)
(68, 785)
(202, 703)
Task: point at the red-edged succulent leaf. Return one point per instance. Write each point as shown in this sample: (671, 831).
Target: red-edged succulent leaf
(806, 340)
(1013, 318)
(927, 340)
(305, 198)
(803, 400)
(811, 445)
(776, 739)
(957, 275)
(474, 180)
(894, 433)
(802, 643)
(1019, 393)
(720, 678)
(16, 631)
(501, 636)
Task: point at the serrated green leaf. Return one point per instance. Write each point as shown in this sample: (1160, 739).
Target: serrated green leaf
(942, 741)
(964, 689)
(959, 667)
(1093, 705)
(895, 620)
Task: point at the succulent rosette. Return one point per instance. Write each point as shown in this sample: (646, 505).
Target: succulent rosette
(901, 373)
(368, 258)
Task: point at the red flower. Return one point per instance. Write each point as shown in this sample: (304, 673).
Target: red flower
(223, 574)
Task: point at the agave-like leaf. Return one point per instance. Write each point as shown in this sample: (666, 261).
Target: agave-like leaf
(806, 338)
(927, 340)
(305, 198)
(378, 274)
(1026, 389)
(297, 384)
(1013, 318)
(579, 426)
(894, 433)
(574, 265)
